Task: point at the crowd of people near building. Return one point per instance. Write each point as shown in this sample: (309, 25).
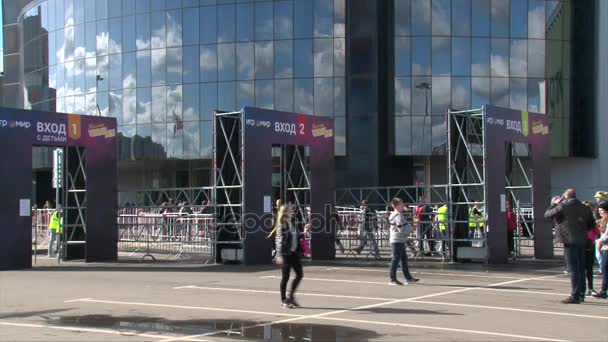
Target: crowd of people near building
(581, 227)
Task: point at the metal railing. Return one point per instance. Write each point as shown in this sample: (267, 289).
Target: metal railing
(173, 232)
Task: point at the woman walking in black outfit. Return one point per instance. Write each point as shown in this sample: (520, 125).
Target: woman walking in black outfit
(288, 254)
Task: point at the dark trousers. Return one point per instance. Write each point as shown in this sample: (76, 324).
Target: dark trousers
(575, 259)
(399, 255)
(589, 261)
(426, 233)
(291, 261)
(511, 240)
(604, 277)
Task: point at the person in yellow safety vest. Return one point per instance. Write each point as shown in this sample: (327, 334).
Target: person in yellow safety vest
(55, 229)
(476, 221)
(441, 221)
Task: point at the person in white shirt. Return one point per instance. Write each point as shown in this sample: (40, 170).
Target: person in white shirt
(399, 231)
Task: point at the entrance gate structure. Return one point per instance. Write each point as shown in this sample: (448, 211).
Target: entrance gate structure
(89, 196)
(243, 189)
(495, 155)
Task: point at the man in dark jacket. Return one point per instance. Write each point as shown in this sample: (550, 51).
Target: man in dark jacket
(572, 221)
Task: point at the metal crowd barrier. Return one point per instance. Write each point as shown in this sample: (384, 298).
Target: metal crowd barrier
(425, 240)
(150, 232)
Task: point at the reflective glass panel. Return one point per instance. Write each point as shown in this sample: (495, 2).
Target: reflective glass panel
(323, 57)
(283, 95)
(244, 94)
(264, 54)
(519, 94)
(439, 134)
(461, 56)
(90, 78)
(340, 137)
(303, 21)
(303, 62)
(115, 39)
(244, 22)
(500, 91)
(421, 135)
(323, 18)
(519, 18)
(339, 56)
(103, 64)
(480, 57)
(226, 62)
(519, 57)
(143, 31)
(324, 96)
(206, 139)
(89, 10)
(128, 7)
(143, 68)
(159, 137)
(191, 102)
(191, 27)
(158, 5)
(283, 20)
(128, 106)
(421, 17)
(144, 105)
(421, 56)
(159, 104)
(208, 100)
(339, 96)
(174, 103)
(102, 38)
(536, 58)
(208, 25)
(339, 18)
(263, 21)
(283, 59)
(461, 93)
(208, 63)
(115, 105)
(174, 65)
(227, 29)
(226, 95)
(500, 18)
(441, 91)
(480, 94)
(174, 28)
(403, 96)
(142, 6)
(480, 18)
(441, 17)
(159, 66)
(461, 12)
(244, 61)
(500, 57)
(128, 70)
(159, 34)
(264, 93)
(191, 64)
(402, 56)
(115, 71)
(79, 12)
(402, 17)
(536, 19)
(128, 34)
(421, 98)
(442, 63)
(303, 96)
(536, 95)
(403, 135)
(101, 9)
(191, 140)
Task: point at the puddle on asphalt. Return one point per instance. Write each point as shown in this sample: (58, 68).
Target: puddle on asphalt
(232, 329)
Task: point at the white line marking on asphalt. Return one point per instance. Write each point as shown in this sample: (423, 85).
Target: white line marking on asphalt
(469, 275)
(336, 280)
(526, 292)
(509, 309)
(203, 308)
(90, 330)
(466, 331)
(76, 300)
(277, 292)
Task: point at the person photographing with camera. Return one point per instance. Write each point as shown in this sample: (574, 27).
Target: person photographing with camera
(572, 222)
(399, 231)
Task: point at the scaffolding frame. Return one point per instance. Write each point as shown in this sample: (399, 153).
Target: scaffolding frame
(228, 170)
(74, 200)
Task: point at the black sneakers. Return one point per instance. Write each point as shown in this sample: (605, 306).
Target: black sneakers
(571, 300)
(601, 294)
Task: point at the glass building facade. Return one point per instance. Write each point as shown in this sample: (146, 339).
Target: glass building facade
(472, 53)
(386, 70)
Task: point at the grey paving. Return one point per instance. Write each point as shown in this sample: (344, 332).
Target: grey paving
(166, 302)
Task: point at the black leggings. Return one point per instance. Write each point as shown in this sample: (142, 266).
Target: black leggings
(289, 262)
